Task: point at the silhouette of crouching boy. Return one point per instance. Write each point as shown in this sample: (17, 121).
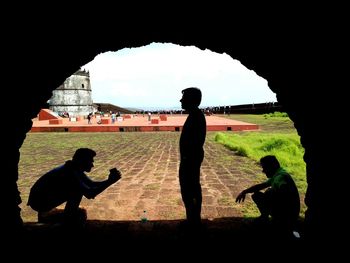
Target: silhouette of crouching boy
(68, 183)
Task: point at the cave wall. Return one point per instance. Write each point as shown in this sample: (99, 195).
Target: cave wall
(286, 59)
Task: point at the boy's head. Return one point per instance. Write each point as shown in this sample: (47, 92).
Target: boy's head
(270, 165)
(191, 98)
(84, 158)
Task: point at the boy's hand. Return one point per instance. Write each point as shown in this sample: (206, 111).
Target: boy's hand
(240, 198)
(114, 175)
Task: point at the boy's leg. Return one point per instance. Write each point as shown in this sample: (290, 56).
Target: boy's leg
(74, 214)
(53, 216)
(263, 204)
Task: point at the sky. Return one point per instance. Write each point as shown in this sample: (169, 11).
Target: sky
(152, 77)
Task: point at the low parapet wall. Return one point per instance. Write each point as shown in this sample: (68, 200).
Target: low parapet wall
(46, 114)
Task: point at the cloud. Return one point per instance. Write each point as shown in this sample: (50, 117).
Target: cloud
(154, 75)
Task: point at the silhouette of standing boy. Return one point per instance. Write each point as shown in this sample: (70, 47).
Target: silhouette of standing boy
(191, 155)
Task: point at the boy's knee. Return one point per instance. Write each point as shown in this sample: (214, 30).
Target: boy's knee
(76, 218)
(257, 196)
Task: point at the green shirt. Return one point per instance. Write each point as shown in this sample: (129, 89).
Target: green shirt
(287, 198)
(281, 177)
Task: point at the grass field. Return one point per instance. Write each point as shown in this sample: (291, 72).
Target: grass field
(277, 136)
(133, 152)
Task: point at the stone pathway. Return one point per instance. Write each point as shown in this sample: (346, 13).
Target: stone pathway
(149, 164)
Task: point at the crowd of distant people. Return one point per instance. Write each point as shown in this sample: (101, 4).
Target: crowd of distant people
(247, 108)
(63, 114)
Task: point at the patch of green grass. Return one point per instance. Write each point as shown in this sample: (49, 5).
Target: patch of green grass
(286, 147)
(249, 209)
(273, 122)
(277, 136)
(226, 201)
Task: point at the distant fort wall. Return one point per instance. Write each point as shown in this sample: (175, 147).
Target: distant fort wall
(258, 108)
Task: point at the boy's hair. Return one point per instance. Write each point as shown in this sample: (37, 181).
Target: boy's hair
(83, 154)
(193, 94)
(270, 161)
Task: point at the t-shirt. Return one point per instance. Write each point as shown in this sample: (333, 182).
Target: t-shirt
(193, 137)
(56, 186)
(281, 177)
(285, 192)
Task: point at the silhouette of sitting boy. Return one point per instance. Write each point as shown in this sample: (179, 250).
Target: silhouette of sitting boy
(68, 183)
(281, 199)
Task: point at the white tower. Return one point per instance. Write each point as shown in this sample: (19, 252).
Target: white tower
(74, 95)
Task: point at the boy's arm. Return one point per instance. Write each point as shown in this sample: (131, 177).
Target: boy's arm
(98, 187)
(255, 188)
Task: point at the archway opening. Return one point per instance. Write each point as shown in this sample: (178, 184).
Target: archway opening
(153, 186)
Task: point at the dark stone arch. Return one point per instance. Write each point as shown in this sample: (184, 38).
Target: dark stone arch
(287, 61)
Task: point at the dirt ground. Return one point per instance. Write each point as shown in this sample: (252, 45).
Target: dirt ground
(149, 164)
